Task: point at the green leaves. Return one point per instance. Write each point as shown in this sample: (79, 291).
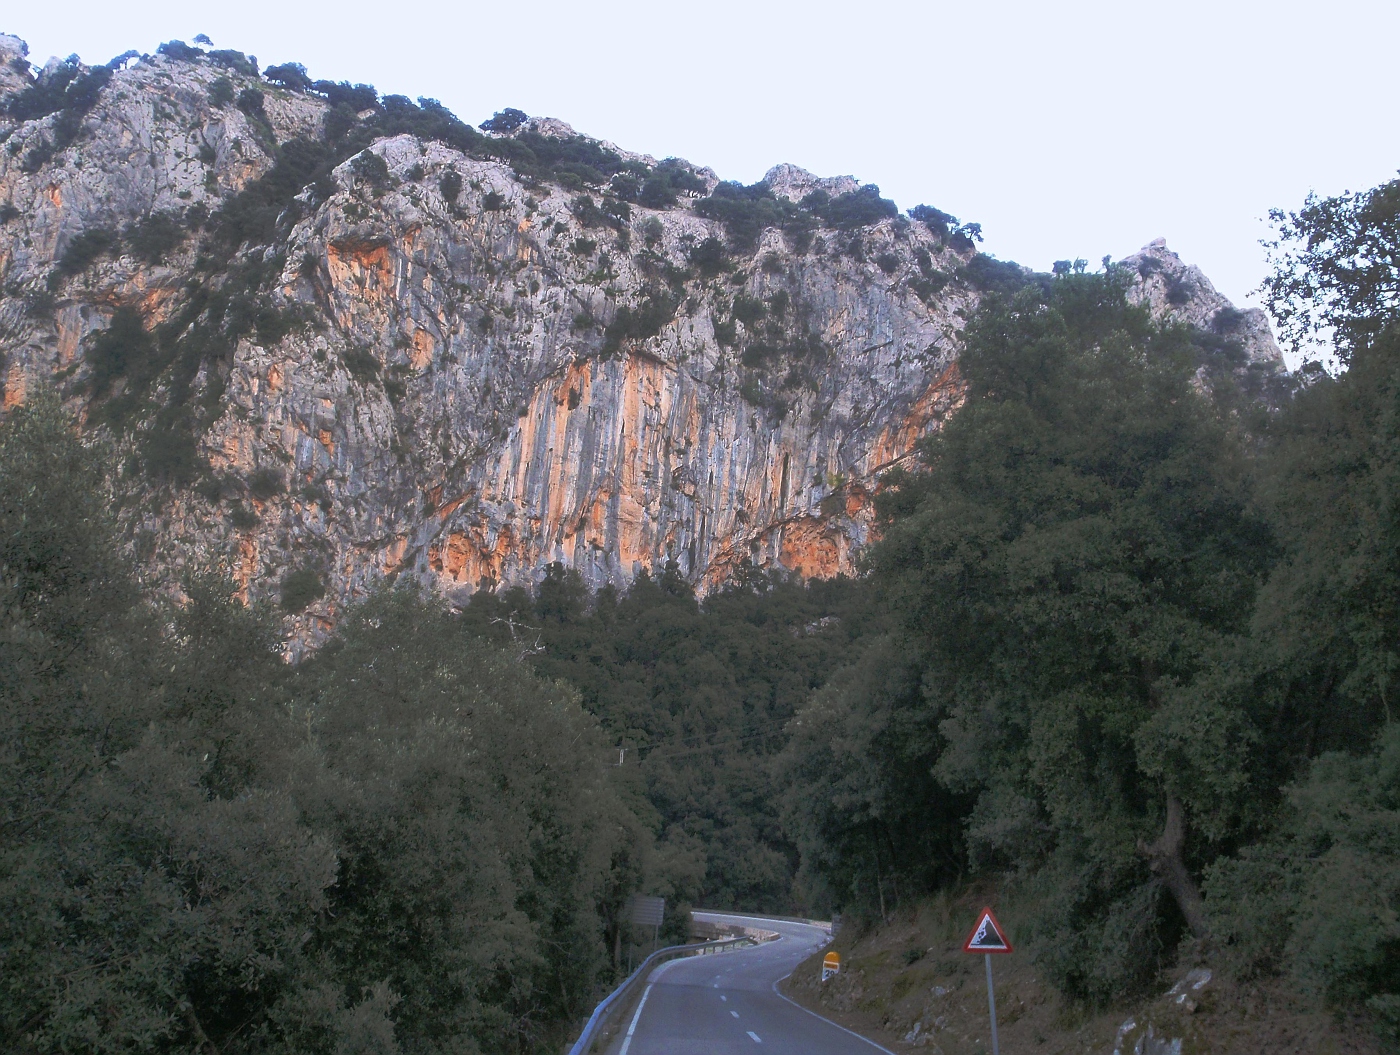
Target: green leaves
(1336, 269)
(1070, 569)
(411, 840)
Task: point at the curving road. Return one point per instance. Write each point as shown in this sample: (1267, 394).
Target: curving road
(715, 1005)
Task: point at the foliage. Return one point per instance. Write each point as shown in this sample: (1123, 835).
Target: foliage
(150, 239)
(1336, 268)
(405, 845)
(852, 210)
(744, 211)
(70, 91)
(266, 483)
(709, 257)
(84, 249)
(698, 696)
(180, 51)
(451, 186)
(250, 101)
(221, 92)
(300, 588)
(990, 275)
(659, 188)
(1316, 899)
(370, 167)
(947, 227)
(504, 121)
(289, 75)
(123, 350)
(647, 319)
(1069, 591)
(234, 60)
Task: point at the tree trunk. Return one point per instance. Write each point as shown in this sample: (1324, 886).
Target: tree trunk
(1164, 858)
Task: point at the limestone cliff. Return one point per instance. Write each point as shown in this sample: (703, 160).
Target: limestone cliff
(442, 358)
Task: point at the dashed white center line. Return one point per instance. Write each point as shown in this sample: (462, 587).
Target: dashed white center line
(723, 998)
(754, 1037)
(734, 1013)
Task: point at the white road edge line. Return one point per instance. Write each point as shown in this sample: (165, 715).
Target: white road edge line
(828, 1021)
(627, 1040)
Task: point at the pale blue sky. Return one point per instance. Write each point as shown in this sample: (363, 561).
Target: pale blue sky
(1067, 129)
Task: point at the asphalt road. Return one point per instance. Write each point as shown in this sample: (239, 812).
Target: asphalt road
(729, 1003)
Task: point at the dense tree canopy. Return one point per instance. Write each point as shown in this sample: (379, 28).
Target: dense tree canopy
(411, 843)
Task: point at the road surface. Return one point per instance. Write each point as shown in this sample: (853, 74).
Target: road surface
(728, 1003)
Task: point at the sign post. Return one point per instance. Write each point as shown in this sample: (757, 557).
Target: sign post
(988, 937)
(646, 912)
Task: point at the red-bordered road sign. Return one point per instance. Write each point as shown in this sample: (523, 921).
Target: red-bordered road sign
(987, 936)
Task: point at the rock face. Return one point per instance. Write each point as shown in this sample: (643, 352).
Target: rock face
(458, 373)
(1172, 289)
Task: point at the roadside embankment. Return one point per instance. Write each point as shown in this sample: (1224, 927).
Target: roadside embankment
(907, 985)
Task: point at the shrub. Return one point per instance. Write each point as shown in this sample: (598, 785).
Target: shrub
(235, 60)
(250, 101)
(744, 211)
(583, 246)
(221, 93)
(150, 239)
(451, 186)
(361, 363)
(358, 97)
(242, 518)
(991, 275)
(8, 212)
(646, 320)
(300, 588)
(289, 75)
(586, 211)
(853, 210)
(266, 483)
(84, 250)
(493, 201)
(659, 188)
(68, 91)
(887, 262)
(1179, 291)
(748, 310)
(179, 50)
(169, 451)
(709, 257)
(507, 120)
(371, 168)
(936, 220)
(123, 348)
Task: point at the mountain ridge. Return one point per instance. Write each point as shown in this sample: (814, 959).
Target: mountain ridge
(424, 358)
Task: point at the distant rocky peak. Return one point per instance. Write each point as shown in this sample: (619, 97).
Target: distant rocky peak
(794, 183)
(1172, 289)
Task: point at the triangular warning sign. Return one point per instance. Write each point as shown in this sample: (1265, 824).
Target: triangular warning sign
(987, 936)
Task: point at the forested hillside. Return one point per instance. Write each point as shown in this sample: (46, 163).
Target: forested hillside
(1143, 642)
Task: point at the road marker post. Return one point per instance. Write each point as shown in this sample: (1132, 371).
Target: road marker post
(987, 937)
(831, 964)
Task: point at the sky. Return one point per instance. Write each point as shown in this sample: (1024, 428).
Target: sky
(1067, 129)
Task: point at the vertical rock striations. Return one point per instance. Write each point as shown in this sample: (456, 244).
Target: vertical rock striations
(447, 370)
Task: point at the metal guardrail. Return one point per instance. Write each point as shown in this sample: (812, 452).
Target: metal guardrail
(617, 999)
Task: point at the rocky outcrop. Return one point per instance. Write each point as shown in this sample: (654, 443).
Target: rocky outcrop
(456, 372)
(1169, 288)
